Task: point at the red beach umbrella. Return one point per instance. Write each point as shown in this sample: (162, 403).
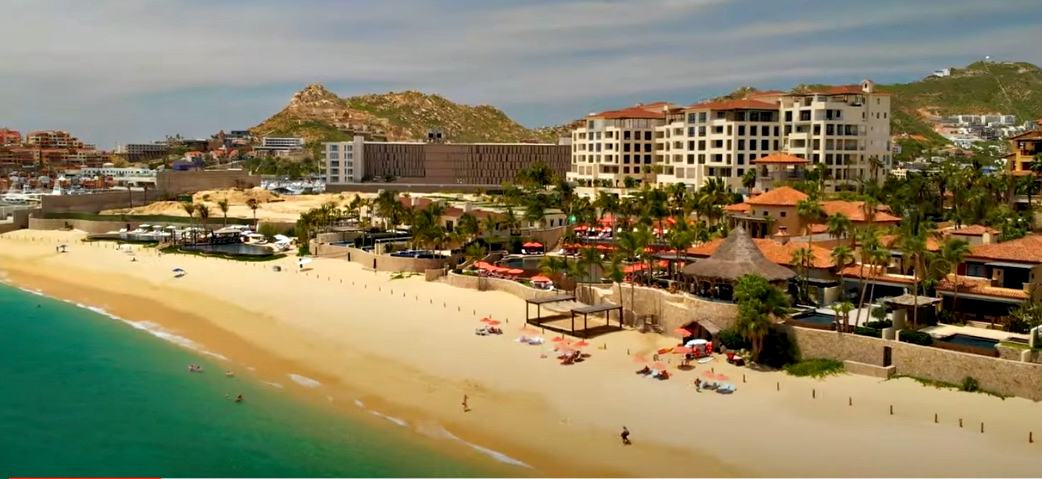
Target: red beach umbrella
(580, 344)
(682, 350)
(485, 320)
(682, 332)
(492, 322)
(557, 339)
(541, 279)
(515, 271)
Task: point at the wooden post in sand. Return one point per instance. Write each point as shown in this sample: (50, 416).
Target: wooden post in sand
(982, 428)
(960, 422)
(813, 393)
(779, 385)
(1031, 437)
(891, 409)
(743, 378)
(935, 418)
(850, 401)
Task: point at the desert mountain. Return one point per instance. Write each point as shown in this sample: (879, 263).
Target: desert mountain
(316, 114)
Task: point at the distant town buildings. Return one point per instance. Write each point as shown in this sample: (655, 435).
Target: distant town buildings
(1024, 147)
(41, 151)
(10, 137)
(280, 146)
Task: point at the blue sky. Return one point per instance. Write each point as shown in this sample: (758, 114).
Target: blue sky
(135, 70)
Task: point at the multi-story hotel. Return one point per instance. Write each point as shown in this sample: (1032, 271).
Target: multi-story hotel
(1024, 147)
(717, 139)
(847, 128)
(52, 139)
(614, 145)
(437, 163)
(9, 137)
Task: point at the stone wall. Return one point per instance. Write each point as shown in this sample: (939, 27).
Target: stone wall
(90, 227)
(672, 310)
(863, 369)
(497, 284)
(170, 183)
(1014, 378)
(96, 202)
(379, 262)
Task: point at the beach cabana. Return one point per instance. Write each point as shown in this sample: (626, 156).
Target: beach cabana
(737, 256)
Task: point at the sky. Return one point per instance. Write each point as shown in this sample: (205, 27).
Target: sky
(129, 71)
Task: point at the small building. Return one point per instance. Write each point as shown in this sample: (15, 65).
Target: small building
(735, 257)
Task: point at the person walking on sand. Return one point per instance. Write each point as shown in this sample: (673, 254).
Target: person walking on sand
(465, 407)
(625, 436)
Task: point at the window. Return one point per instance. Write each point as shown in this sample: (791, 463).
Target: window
(718, 143)
(625, 169)
(721, 115)
(788, 116)
(741, 171)
(740, 115)
(691, 118)
(647, 136)
(775, 131)
(690, 159)
(701, 145)
(691, 145)
(647, 147)
(334, 147)
(741, 144)
(782, 214)
(765, 145)
(741, 161)
(625, 159)
(701, 131)
(701, 158)
(718, 158)
(718, 129)
(691, 131)
(741, 130)
(333, 155)
(625, 147)
(752, 130)
(817, 129)
(830, 129)
(626, 136)
(776, 145)
(647, 159)
(752, 144)
(728, 144)
(728, 129)
(702, 117)
(805, 115)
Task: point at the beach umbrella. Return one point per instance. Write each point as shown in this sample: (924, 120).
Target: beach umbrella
(558, 339)
(492, 322)
(659, 366)
(580, 344)
(541, 279)
(178, 270)
(484, 320)
(682, 350)
(682, 332)
(515, 271)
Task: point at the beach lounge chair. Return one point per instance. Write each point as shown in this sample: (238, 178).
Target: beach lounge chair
(645, 371)
(663, 375)
(735, 359)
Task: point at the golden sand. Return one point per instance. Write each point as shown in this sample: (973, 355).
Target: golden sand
(406, 347)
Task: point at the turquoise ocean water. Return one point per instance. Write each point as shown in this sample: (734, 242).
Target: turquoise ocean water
(86, 395)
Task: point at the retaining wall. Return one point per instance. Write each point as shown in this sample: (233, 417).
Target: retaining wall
(380, 262)
(96, 202)
(673, 310)
(1014, 378)
(497, 284)
(172, 183)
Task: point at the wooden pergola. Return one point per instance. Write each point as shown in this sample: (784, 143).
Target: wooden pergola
(586, 311)
(539, 302)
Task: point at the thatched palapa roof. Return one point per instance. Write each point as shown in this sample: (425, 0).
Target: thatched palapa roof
(738, 256)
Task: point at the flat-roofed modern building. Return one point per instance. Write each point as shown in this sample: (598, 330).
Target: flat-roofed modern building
(614, 145)
(437, 163)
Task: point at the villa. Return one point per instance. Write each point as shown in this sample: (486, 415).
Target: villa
(995, 278)
(767, 213)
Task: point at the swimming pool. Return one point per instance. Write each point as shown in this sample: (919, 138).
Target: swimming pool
(816, 318)
(234, 249)
(972, 341)
(521, 262)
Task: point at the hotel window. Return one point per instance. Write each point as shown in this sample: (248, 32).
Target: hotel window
(805, 115)
(740, 116)
(334, 155)
(332, 147)
(718, 143)
(788, 116)
(765, 145)
(702, 116)
(701, 144)
(741, 161)
(690, 159)
(741, 130)
(691, 131)
(721, 115)
(718, 158)
(647, 147)
(647, 136)
(691, 118)
(625, 159)
(647, 159)
(701, 131)
(718, 129)
(775, 131)
(741, 144)
(729, 129)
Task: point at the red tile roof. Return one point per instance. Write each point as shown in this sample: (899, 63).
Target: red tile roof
(733, 105)
(981, 286)
(774, 251)
(630, 113)
(855, 210)
(876, 273)
(973, 230)
(780, 159)
(738, 208)
(893, 242)
(1024, 250)
(783, 196)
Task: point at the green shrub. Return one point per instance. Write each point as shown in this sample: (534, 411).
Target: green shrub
(879, 312)
(815, 368)
(1016, 324)
(879, 324)
(970, 385)
(875, 333)
(915, 337)
(732, 339)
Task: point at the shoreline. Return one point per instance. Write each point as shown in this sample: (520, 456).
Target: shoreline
(414, 359)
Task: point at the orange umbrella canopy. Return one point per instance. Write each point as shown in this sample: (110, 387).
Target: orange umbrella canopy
(492, 322)
(558, 339)
(682, 332)
(580, 344)
(515, 271)
(541, 279)
(682, 350)
(485, 320)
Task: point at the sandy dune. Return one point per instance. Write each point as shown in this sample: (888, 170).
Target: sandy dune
(407, 347)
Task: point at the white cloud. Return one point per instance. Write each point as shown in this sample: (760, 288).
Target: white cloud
(81, 55)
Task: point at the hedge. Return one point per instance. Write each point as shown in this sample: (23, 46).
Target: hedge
(915, 337)
(875, 333)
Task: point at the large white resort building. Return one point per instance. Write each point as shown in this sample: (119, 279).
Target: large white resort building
(846, 128)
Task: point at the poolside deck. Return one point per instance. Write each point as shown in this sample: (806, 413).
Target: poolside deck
(944, 330)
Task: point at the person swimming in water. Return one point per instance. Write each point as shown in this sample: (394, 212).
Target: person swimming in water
(238, 398)
(229, 373)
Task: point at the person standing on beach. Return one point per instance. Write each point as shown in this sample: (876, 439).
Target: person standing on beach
(625, 436)
(465, 407)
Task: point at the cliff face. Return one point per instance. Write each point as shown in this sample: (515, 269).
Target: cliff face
(316, 114)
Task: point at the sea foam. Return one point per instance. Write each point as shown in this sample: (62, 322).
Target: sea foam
(304, 381)
(437, 431)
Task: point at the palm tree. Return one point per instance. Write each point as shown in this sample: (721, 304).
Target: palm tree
(474, 252)
(870, 242)
(616, 275)
(511, 221)
(842, 310)
(839, 226)
(222, 204)
(802, 258)
(953, 252)
(629, 245)
(809, 211)
(204, 215)
(253, 204)
(913, 246)
(758, 300)
(190, 209)
(679, 239)
(749, 179)
(468, 226)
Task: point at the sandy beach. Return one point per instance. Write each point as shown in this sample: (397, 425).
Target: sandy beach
(406, 348)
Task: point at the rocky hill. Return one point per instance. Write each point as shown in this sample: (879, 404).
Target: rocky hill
(316, 114)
